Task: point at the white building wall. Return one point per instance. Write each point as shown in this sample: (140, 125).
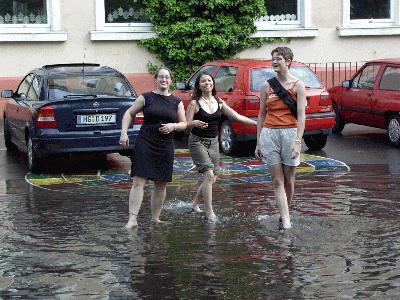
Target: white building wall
(78, 21)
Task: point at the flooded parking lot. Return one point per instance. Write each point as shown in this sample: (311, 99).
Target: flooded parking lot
(62, 233)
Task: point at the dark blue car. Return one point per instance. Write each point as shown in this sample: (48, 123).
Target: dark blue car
(68, 108)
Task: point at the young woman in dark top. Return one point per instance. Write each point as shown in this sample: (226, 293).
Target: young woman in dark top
(203, 116)
(154, 148)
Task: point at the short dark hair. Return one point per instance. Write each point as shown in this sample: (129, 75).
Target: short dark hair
(197, 91)
(286, 52)
(163, 68)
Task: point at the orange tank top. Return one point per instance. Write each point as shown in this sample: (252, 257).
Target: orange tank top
(278, 113)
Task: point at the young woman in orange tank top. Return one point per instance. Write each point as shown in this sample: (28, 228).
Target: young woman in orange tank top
(279, 134)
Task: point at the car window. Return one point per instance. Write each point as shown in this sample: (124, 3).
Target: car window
(258, 77)
(100, 85)
(24, 85)
(366, 78)
(390, 79)
(34, 90)
(209, 69)
(225, 79)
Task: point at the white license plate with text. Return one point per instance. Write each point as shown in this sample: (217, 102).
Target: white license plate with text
(95, 119)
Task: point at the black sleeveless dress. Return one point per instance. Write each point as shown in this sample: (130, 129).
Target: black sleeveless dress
(153, 151)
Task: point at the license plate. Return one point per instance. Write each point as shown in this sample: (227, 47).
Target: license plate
(95, 119)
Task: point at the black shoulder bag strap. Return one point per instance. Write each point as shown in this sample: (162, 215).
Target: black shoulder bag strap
(282, 93)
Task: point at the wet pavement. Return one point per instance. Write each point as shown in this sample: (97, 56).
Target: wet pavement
(62, 235)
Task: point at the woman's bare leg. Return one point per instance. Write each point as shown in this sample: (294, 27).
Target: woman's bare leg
(280, 193)
(135, 200)
(157, 200)
(208, 181)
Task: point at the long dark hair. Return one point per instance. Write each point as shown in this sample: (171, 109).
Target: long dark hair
(197, 91)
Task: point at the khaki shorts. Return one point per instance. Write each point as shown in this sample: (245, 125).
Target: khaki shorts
(205, 153)
(276, 146)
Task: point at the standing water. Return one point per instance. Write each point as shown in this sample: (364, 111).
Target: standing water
(62, 236)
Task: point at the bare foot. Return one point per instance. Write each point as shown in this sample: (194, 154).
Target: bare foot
(212, 218)
(131, 223)
(158, 221)
(196, 208)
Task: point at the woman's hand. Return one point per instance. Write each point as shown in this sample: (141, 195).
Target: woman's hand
(167, 128)
(124, 140)
(200, 124)
(296, 150)
(257, 152)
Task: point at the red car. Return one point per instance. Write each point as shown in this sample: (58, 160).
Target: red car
(239, 81)
(371, 97)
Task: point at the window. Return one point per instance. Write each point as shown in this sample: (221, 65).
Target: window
(258, 77)
(282, 12)
(121, 20)
(34, 90)
(24, 86)
(225, 79)
(366, 78)
(369, 9)
(124, 11)
(390, 79)
(23, 12)
(290, 18)
(34, 20)
(370, 17)
(208, 69)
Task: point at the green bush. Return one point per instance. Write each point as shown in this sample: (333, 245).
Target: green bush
(192, 32)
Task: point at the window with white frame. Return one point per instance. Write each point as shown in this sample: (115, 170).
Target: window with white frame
(370, 17)
(289, 18)
(33, 20)
(121, 20)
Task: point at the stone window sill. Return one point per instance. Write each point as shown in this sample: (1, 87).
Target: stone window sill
(371, 31)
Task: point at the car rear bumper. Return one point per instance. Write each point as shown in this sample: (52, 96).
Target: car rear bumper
(105, 142)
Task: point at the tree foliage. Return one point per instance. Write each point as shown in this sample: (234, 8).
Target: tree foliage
(192, 32)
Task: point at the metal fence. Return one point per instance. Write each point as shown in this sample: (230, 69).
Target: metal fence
(333, 73)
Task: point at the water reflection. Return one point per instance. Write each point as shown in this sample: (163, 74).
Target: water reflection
(344, 242)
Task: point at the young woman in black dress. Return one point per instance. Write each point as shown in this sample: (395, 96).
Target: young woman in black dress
(203, 116)
(154, 147)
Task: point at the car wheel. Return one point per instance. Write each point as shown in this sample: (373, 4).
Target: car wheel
(33, 158)
(393, 130)
(315, 142)
(7, 136)
(339, 123)
(227, 138)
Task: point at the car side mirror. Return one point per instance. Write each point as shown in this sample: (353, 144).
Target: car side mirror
(346, 83)
(7, 94)
(180, 86)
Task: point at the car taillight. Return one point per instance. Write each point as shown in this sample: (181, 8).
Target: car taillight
(251, 102)
(45, 118)
(139, 118)
(325, 102)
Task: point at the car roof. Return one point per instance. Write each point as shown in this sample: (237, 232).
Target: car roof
(395, 60)
(251, 62)
(76, 68)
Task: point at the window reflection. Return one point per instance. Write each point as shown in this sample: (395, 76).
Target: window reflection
(125, 11)
(23, 12)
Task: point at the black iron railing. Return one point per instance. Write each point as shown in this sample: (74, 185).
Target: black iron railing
(333, 73)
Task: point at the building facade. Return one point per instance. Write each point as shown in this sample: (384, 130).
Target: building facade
(38, 32)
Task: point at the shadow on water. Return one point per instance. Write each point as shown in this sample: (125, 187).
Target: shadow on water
(344, 241)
